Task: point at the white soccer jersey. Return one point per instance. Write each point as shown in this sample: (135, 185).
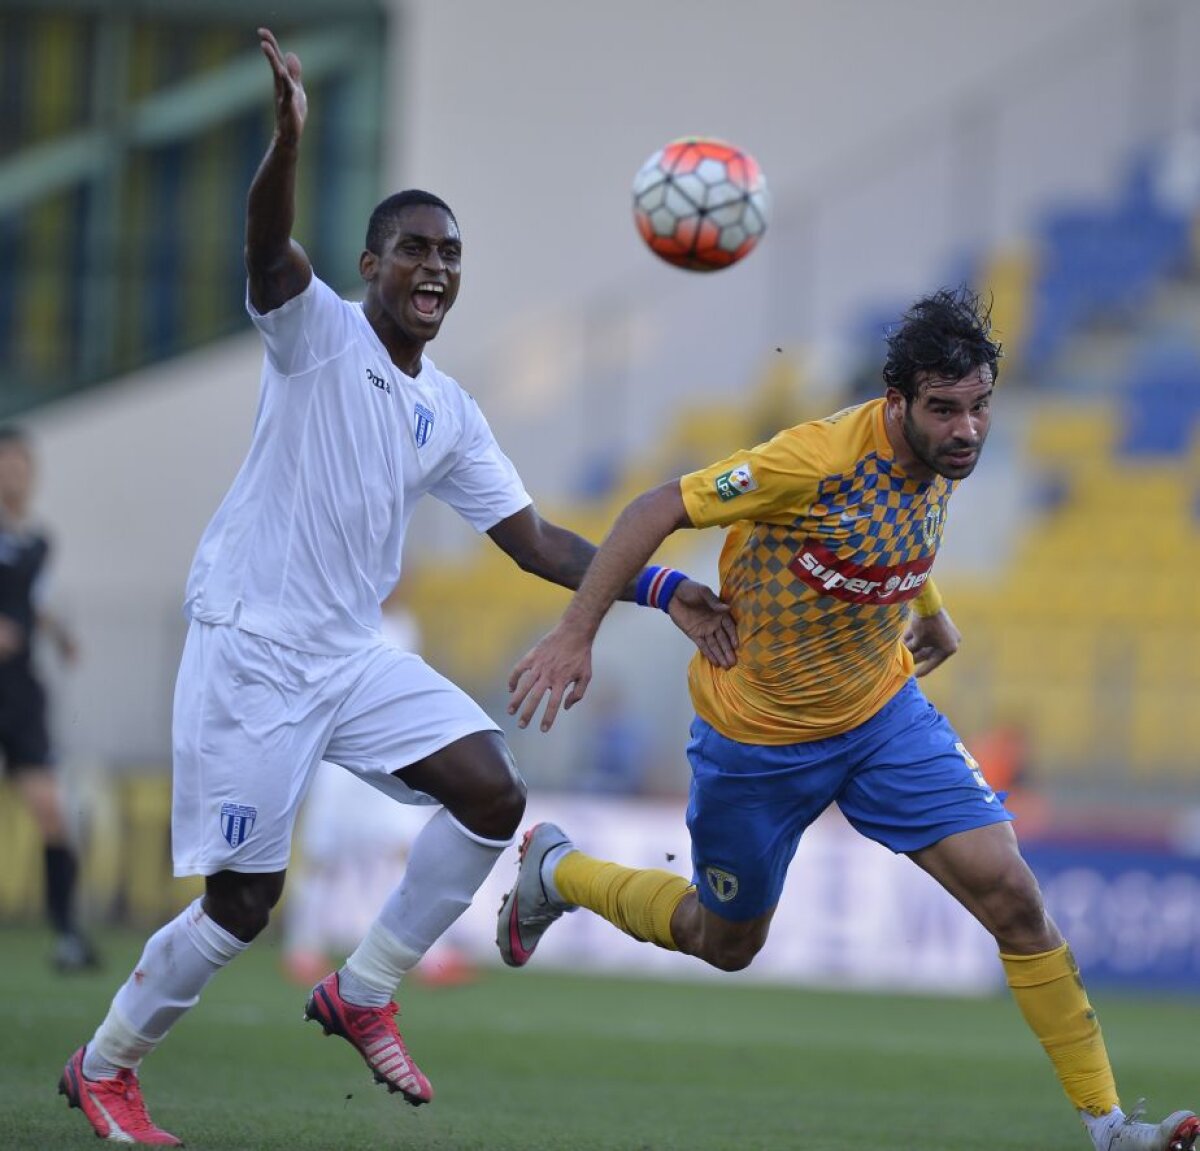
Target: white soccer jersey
(306, 544)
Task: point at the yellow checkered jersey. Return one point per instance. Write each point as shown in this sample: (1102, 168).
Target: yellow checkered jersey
(828, 544)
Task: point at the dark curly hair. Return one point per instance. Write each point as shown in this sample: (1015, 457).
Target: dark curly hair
(383, 219)
(944, 337)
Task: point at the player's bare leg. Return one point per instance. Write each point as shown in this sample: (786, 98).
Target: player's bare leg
(41, 792)
(729, 945)
(984, 871)
(483, 800)
(176, 964)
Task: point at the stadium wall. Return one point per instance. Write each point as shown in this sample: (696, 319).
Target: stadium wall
(852, 914)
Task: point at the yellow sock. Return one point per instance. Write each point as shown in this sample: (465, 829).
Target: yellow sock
(640, 901)
(1051, 996)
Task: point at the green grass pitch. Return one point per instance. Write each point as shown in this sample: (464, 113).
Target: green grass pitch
(533, 1061)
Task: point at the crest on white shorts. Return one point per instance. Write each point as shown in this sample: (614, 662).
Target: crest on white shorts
(237, 822)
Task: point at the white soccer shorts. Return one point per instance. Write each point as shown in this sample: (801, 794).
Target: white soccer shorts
(253, 719)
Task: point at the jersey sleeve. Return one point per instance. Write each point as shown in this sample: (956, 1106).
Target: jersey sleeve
(483, 485)
(771, 483)
(305, 331)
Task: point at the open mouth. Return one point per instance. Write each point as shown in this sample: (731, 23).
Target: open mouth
(428, 299)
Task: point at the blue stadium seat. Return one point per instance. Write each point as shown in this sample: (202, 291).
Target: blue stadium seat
(1162, 400)
(1102, 263)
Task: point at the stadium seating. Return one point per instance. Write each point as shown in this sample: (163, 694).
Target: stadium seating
(1092, 632)
(1100, 263)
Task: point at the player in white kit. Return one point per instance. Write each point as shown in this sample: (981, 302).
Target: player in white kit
(284, 662)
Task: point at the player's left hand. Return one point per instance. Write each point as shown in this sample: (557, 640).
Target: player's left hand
(705, 619)
(932, 639)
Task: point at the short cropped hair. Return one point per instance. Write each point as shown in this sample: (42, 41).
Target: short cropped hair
(11, 434)
(383, 219)
(945, 337)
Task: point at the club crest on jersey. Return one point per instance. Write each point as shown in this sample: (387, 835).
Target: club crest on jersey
(422, 424)
(721, 883)
(932, 525)
(237, 822)
(734, 482)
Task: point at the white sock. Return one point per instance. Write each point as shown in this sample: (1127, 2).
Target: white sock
(446, 866)
(178, 960)
(550, 861)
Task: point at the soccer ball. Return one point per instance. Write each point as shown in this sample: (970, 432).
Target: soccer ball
(700, 203)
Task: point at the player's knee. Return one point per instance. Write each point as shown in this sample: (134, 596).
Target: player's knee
(1015, 912)
(477, 781)
(502, 806)
(40, 791)
(242, 904)
(731, 954)
(494, 805)
(243, 919)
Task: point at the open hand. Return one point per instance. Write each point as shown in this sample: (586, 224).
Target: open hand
(705, 619)
(291, 104)
(932, 639)
(559, 665)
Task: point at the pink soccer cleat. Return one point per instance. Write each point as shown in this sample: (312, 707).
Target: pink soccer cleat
(372, 1032)
(114, 1107)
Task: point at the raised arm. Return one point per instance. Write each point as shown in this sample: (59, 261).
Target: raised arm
(560, 665)
(277, 267)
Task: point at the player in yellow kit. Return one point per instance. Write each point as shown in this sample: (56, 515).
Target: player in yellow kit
(833, 527)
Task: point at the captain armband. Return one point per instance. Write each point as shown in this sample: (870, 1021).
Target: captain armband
(929, 602)
(656, 586)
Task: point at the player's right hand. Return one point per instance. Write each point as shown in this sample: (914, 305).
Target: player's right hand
(291, 103)
(12, 637)
(559, 665)
(705, 619)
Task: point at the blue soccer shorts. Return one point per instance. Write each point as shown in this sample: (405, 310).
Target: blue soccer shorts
(903, 778)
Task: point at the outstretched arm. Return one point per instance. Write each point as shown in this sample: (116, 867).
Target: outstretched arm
(562, 557)
(544, 549)
(277, 267)
(559, 667)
